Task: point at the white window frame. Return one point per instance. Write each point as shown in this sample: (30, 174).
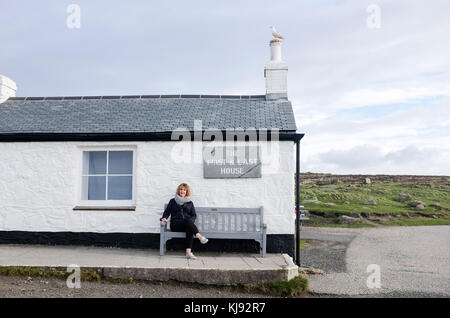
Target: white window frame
(105, 204)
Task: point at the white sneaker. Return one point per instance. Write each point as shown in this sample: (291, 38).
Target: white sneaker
(203, 240)
(190, 256)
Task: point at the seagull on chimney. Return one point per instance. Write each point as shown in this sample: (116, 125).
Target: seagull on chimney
(275, 33)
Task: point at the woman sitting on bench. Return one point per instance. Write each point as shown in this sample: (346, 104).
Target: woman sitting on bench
(182, 217)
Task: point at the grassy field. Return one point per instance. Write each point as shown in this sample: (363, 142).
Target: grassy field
(337, 200)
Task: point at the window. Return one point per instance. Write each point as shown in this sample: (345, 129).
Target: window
(107, 177)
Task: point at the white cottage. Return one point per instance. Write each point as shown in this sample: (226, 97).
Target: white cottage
(97, 170)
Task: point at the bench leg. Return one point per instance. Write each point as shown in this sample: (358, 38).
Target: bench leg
(264, 243)
(162, 244)
(263, 252)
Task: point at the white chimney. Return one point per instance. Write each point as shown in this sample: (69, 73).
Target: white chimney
(275, 73)
(7, 88)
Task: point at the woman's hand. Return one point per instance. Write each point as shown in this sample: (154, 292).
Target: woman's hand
(164, 220)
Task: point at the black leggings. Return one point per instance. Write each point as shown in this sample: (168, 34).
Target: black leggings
(187, 226)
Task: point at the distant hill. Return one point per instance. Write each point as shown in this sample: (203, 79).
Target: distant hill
(328, 178)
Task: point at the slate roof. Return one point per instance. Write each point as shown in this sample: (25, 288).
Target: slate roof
(145, 113)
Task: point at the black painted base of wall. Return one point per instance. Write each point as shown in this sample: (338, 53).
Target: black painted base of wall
(276, 243)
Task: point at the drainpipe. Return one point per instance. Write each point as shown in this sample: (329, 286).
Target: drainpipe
(297, 202)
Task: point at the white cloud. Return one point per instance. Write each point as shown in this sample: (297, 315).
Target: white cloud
(344, 65)
(373, 96)
(415, 140)
(408, 123)
(371, 159)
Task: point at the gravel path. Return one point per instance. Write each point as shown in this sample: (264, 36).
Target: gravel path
(23, 287)
(328, 256)
(412, 261)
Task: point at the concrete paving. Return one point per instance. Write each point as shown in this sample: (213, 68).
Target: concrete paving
(208, 268)
(411, 261)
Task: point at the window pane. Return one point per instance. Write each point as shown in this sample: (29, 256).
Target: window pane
(120, 162)
(119, 188)
(96, 188)
(96, 162)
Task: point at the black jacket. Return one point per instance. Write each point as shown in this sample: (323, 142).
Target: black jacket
(179, 212)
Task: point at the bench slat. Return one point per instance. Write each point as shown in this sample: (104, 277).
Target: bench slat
(228, 210)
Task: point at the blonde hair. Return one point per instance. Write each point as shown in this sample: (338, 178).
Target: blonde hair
(185, 186)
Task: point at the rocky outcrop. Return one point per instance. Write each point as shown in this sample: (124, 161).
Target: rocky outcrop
(313, 200)
(370, 202)
(416, 204)
(327, 181)
(404, 197)
(344, 219)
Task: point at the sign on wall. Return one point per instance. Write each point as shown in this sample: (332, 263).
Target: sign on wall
(231, 161)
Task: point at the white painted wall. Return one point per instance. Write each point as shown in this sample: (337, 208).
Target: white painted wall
(39, 187)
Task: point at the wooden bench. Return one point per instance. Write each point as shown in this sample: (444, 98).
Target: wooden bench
(224, 223)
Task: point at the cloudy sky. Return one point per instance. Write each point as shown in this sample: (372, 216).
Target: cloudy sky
(369, 80)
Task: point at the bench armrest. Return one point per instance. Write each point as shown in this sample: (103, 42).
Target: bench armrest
(163, 226)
